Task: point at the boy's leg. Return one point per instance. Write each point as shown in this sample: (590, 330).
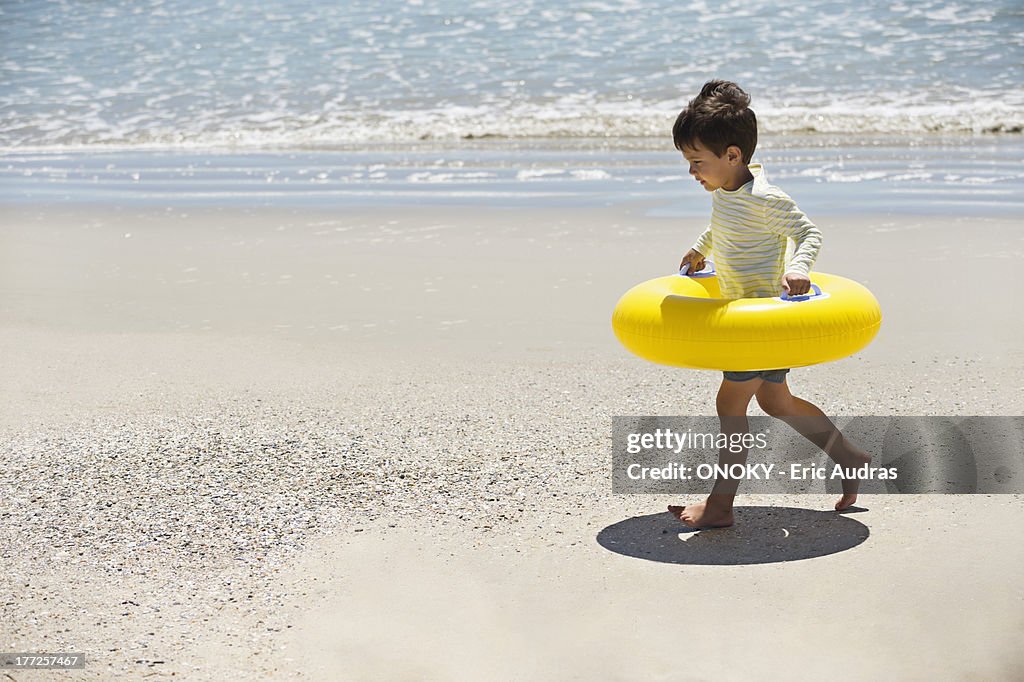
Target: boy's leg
(716, 512)
(815, 426)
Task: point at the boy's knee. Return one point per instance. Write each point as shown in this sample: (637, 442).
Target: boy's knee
(776, 406)
(731, 406)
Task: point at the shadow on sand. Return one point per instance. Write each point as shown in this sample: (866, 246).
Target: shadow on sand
(761, 535)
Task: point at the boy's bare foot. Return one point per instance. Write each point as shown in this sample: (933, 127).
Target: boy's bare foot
(847, 500)
(702, 515)
(851, 485)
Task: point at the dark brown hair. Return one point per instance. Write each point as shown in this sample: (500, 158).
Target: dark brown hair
(718, 118)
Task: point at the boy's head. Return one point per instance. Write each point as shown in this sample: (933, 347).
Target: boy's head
(717, 119)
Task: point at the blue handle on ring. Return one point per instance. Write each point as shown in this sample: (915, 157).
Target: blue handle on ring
(802, 297)
(708, 271)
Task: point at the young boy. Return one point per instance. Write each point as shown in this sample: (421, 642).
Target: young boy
(752, 222)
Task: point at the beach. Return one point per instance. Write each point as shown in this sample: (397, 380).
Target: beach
(307, 356)
(374, 443)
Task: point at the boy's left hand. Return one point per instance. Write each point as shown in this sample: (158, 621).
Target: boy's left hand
(796, 284)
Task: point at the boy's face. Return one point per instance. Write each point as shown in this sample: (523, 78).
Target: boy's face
(713, 171)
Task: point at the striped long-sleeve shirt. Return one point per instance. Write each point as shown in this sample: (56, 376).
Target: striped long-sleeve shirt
(749, 236)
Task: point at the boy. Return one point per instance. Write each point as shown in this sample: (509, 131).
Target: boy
(751, 224)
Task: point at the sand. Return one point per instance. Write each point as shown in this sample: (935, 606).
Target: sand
(374, 444)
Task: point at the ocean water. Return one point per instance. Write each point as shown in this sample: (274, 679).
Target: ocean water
(880, 106)
(305, 74)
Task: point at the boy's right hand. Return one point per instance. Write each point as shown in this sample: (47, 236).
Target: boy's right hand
(695, 259)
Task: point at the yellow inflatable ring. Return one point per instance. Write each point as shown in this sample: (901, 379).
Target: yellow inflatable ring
(681, 321)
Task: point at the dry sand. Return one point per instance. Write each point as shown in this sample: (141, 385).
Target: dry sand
(374, 444)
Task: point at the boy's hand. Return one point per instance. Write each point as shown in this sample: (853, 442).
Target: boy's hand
(695, 259)
(796, 284)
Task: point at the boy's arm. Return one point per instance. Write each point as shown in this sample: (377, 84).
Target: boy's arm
(703, 245)
(782, 216)
(695, 256)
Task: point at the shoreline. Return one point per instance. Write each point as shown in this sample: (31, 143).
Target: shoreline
(767, 140)
(961, 176)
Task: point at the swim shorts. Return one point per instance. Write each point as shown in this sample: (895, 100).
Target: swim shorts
(776, 376)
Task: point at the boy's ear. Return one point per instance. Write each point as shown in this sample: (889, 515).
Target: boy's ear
(733, 154)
